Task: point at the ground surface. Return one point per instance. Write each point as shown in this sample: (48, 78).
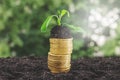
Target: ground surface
(32, 68)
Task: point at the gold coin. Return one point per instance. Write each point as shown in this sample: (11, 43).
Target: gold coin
(59, 64)
(55, 69)
(58, 57)
(63, 71)
(58, 70)
(60, 41)
(60, 51)
(66, 45)
(57, 60)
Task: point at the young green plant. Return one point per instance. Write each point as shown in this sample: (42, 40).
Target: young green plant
(58, 18)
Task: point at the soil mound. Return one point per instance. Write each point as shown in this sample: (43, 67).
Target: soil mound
(35, 68)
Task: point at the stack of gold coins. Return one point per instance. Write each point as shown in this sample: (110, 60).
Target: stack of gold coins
(59, 57)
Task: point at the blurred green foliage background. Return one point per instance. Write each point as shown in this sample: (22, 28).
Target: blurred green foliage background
(20, 22)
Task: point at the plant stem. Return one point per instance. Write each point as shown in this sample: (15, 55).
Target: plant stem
(59, 20)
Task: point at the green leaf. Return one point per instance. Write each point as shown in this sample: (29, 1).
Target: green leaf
(63, 12)
(46, 23)
(75, 29)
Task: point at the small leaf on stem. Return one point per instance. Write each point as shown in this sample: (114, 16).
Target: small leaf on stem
(63, 12)
(75, 29)
(46, 23)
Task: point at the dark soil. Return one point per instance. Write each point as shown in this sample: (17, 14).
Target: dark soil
(34, 68)
(60, 32)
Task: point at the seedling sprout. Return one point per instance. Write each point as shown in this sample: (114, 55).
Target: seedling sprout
(58, 18)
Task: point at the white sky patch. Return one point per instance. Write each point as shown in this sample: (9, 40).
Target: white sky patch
(72, 8)
(93, 25)
(105, 20)
(110, 18)
(95, 1)
(91, 44)
(91, 18)
(96, 16)
(98, 30)
(112, 33)
(94, 37)
(98, 54)
(117, 51)
(100, 40)
(111, 1)
(113, 26)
